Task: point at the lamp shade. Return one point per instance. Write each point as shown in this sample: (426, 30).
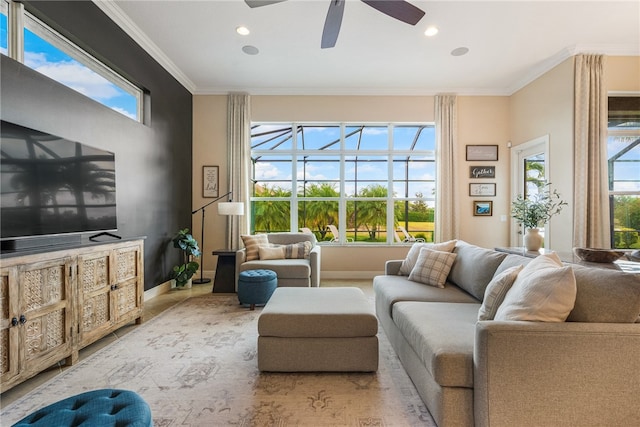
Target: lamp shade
(230, 208)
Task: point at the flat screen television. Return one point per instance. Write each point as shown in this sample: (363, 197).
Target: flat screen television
(51, 186)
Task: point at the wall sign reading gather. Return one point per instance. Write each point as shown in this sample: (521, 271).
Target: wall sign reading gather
(482, 171)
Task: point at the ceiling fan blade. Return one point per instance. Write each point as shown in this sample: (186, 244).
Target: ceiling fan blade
(399, 9)
(258, 3)
(332, 24)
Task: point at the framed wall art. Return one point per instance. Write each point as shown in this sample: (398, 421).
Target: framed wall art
(485, 189)
(482, 153)
(482, 171)
(210, 181)
(482, 208)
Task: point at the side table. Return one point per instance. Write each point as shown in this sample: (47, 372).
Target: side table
(225, 280)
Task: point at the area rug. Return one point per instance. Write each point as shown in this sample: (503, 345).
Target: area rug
(196, 365)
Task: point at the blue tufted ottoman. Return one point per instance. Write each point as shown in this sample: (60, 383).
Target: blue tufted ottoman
(256, 286)
(98, 408)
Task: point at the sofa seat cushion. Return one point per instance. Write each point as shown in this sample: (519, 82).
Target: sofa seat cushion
(442, 336)
(392, 289)
(284, 268)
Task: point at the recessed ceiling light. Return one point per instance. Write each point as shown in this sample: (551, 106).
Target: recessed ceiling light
(243, 31)
(431, 31)
(250, 50)
(459, 51)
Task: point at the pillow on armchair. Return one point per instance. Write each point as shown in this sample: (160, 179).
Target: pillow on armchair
(253, 243)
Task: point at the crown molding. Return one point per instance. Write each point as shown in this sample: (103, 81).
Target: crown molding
(566, 53)
(117, 15)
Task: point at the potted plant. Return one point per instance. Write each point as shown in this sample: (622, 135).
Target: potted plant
(535, 211)
(183, 273)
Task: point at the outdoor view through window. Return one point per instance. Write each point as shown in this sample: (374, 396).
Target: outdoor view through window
(367, 180)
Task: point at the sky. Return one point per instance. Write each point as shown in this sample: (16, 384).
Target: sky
(52, 62)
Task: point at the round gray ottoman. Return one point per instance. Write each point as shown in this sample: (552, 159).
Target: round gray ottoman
(256, 286)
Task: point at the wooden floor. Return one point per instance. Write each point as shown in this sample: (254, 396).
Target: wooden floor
(152, 308)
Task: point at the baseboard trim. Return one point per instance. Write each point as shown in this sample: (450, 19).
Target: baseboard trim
(165, 287)
(162, 288)
(349, 275)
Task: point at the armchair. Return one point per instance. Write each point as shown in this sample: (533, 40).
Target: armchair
(303, 272)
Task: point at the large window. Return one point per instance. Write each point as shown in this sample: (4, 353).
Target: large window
(366, 180)
(51, 54)
(623, 147)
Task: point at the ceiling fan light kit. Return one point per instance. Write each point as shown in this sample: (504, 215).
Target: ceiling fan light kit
(398, 9)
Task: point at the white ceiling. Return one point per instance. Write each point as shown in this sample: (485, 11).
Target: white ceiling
(510, 43)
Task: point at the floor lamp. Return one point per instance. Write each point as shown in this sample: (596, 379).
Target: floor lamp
(224, 208)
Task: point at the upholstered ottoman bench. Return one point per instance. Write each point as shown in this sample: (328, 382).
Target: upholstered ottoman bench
(318, 329)
(104, 407)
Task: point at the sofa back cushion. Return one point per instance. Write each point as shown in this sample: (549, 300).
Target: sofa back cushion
(474, 268)
(605, 296)
(410, 261)
(290, 238)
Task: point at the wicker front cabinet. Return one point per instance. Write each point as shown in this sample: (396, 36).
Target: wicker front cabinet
(53, 304)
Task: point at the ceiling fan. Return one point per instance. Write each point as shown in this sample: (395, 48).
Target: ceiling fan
(398, 9)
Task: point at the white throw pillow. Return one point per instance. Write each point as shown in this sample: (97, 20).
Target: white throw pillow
(252, 243)
(544, 291)
(410, 261)
(432, 267)
(496, 291)
(271, 252)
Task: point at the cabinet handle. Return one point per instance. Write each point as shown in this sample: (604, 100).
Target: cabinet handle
(23, 319)
(14, 321)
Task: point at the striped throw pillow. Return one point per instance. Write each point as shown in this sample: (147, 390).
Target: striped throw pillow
(253, 243)
(297, 250)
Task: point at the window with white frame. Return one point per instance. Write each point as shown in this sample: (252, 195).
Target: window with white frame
(51, 54)
(623, 153)
(365, 179)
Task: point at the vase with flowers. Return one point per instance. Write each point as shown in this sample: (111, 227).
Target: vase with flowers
(535, 211)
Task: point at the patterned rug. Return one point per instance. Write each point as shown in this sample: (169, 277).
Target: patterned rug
(195, 365)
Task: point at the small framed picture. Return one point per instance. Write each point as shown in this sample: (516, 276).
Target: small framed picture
(482, 208)
(482, 153)
(210, 181)
(482, 172)
(484, 189)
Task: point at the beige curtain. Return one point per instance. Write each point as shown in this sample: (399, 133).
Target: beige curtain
(446, 215)
(591, 201)
(238, 161)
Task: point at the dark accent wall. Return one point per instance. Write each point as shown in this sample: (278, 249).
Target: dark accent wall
(153, 160)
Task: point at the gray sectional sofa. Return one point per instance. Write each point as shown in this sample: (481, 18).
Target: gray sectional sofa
(581, 372)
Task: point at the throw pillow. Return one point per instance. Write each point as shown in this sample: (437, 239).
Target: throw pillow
(544, 291)
(271, 252)
(496, 291)
(432, 267)
(410, 261)
(252, 243)
(297, 250)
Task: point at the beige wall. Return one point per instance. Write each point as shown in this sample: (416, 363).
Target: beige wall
(544, 107)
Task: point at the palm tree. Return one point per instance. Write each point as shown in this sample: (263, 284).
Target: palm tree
(271, 215)
(372, 214)
(318, 214)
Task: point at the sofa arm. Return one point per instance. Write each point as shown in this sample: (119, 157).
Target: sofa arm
(316, 266)
(392, 267)
(560, 374)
